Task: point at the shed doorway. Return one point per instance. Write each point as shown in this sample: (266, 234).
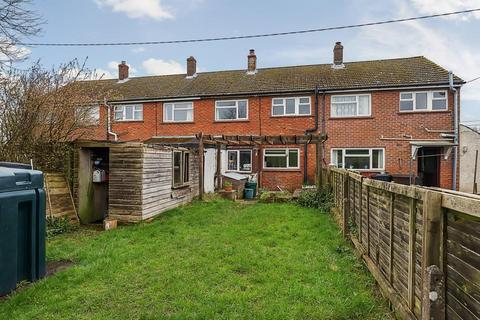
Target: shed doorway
(429, 166)
(93, 172)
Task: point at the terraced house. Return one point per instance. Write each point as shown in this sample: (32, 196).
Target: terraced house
(395, 115)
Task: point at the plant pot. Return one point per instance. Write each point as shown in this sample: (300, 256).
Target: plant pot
(228, 188)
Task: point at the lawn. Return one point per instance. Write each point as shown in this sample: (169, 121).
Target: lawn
(215, 260)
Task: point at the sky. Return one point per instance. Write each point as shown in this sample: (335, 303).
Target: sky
(452, 42)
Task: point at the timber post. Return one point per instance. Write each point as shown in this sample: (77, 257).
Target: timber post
(201, 166)
(345, 205)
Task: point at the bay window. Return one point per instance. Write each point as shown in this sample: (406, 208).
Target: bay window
(178, 112)
(351, 106)
(231, 110)
(423, 101)
(285, 158)
(239, 160)
(290, 106)
(359, 158)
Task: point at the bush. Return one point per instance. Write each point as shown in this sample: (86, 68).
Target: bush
(318, 199)
(56, 226)
(275, 196)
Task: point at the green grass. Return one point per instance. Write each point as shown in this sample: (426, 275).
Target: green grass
(216, 260)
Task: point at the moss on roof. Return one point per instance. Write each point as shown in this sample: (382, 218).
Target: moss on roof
(410, 71)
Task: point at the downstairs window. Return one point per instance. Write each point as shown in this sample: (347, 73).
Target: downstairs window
(359, 158)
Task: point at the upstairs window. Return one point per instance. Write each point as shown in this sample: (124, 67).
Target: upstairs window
(423, 101)
(359, 158)
(281, 158)
(181, 168)
(129, 112)
(178, 112)
(88, 115)
(239, 160)
(299, 106)
(351, 106)
(231, 110)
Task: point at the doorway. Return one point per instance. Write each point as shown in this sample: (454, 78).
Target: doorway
(429, 166)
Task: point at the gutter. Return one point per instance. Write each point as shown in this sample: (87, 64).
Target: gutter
(455, 130)
(109, 121)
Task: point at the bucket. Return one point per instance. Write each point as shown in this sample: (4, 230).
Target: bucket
(248, 194)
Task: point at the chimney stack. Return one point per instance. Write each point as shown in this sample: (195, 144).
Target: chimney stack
(122, 71)
(338, 56)
(191, 67)
(252, 62)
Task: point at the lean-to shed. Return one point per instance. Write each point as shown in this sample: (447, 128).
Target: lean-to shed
(131, 181)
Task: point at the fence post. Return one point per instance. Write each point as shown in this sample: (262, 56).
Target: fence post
(345, 205)
(432, 229)
(433, 302)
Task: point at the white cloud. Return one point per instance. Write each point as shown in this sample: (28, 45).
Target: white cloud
(442, 6)
(138, 8)
(161, 67)
(103, 74)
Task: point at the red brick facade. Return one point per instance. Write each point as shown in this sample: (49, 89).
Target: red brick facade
(378, 130)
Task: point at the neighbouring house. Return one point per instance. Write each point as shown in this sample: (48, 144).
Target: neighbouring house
(392, 115)
(469, 158)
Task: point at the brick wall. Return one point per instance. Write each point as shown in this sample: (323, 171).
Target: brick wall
(386, 121)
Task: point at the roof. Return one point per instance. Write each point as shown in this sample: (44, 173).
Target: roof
(412, 71)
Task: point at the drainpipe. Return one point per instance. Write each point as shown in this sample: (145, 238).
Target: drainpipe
(455, 130)
(109, 121)
(308, 131)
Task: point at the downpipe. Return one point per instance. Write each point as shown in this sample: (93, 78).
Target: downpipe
(308, 131)
(109, 121)
(455, 130)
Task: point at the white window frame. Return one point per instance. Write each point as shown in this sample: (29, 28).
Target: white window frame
(357, 98)
(123, 107)
(297, 107)
(430, 99)
(228, 107)
(370, 155)
(286, 154)
(185, 180)
(175, 105)
(238, 160)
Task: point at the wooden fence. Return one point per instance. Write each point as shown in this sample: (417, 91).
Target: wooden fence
(422, 245)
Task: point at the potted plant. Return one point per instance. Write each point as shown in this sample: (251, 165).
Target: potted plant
(227, 186)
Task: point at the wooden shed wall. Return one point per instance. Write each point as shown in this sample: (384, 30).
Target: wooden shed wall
(157, 193)
(125, 184)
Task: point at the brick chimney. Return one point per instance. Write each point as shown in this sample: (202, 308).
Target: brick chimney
(191, 67)
(122, 71)
(338, 56)
(252, 62)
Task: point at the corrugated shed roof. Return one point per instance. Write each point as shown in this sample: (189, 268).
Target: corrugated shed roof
(411, 71)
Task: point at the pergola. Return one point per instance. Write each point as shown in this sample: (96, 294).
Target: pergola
(201, 139)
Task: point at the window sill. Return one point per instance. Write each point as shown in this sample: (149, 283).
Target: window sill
(127, 121)
(293, 116)
(351, 118)
(282, 169)
(424, 111)
(240, 172)
(184, 186)
(227, 121)
(178, 122)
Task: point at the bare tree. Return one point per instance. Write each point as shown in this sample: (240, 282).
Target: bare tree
(17, 22)
(41, 111)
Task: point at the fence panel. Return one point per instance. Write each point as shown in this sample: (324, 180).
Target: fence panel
(399, 235)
